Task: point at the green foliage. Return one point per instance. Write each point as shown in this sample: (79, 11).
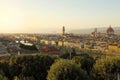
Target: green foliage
(27, 67)
(69, 53)
(4, 67)
(86, 62)
(23, 78)
(16, 78)
(35, 66)
(107, 68)
(14, 68)
(94, 66)
(94, 54)
(73, 52)
(33, 47)
(66, 70)
(2, 77)
(65, 56)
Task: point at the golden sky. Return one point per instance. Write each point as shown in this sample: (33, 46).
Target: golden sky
(51, 15)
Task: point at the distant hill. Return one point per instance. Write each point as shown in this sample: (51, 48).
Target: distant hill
(88, 31)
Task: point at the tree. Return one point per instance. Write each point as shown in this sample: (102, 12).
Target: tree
(14, 68)
(73, 52)
(4, 67)
(107, 68)
(35, 66)
(69, 53)
(86, 62)
(2, 77)
(66, 70)
(23, 78)
(33, 47)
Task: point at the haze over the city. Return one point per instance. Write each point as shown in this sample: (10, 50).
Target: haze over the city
(48, 16)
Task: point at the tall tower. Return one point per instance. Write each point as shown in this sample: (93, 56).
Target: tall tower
(63, 34)
(63, 30)
(95, 32)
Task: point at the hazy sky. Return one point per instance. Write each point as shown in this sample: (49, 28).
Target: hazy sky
(51, 15)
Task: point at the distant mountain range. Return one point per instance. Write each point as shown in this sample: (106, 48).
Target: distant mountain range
(88, 31)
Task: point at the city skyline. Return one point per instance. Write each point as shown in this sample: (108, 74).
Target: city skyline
(48, 16)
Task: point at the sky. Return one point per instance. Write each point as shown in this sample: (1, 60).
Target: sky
(48, 16)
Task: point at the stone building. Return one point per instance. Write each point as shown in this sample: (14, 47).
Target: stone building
(110, 31)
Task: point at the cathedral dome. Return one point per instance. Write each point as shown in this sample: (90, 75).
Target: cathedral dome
(110, 30)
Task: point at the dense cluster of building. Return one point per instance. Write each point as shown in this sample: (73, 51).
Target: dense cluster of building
(102, 41)
(53, 43)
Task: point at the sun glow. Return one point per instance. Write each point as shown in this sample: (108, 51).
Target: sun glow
(11, 17)
(47, 15)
